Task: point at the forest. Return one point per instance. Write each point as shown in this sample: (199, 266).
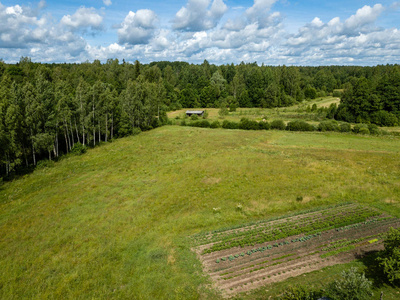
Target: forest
(47, 110)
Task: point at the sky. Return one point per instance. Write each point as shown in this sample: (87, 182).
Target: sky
(270, 32)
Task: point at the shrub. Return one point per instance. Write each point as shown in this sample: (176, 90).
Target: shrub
(314, 107)
(136, 131)
(194, 117)
(44, 164)
(78, 149)
(247, 124)
(331, 111)
(344, 127)
(203, 124)
(389, 259)
(373, 129)
(215, 124)
(229, 125)
(361, 128)
(183, 123)
(352, 286)
(205, 115)
(328, 126)
(299, 126)
(278, 124)
(223, 111)
(264, 125)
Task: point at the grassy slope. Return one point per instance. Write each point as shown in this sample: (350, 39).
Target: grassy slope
(112, 223)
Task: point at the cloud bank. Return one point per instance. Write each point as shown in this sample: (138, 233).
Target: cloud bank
(202, 29)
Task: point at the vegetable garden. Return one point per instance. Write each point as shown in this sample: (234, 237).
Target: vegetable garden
(243, 258)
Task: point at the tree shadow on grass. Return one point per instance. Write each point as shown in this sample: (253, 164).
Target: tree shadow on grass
(373, 271)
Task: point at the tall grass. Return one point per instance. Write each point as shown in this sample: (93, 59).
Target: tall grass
(114, 222)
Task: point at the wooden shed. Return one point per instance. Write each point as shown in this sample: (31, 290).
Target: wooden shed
(199, 113)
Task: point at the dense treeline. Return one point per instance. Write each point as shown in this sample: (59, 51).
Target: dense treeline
(47, 109)
(298, 125)
(375, 100)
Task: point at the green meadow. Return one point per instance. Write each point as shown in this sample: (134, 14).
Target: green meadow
(291, 113)
(116, 221)
(294, 112)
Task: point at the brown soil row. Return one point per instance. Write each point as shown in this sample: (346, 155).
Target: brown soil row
(326, 237)
(269, 225)
(302, 259)
(285, 271)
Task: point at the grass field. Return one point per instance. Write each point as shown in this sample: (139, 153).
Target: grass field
(115, 222)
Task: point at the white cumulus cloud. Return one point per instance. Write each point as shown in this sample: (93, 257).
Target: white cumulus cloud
(364, 16)
(137, 28)
(25, 31)
(83, 18)
(198, 15)
(16, 26)
(356, 39)
(260, 7)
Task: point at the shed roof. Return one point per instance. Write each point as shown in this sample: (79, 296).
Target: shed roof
(195, 111)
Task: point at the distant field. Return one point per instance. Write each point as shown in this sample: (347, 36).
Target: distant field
(287, 114)
(117, 221)
(326, 101)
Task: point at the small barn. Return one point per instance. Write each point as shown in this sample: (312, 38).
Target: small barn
(199, 113)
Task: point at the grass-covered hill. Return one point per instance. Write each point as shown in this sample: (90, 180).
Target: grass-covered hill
(114, 222)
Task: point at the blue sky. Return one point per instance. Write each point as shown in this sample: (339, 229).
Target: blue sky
(273, 32)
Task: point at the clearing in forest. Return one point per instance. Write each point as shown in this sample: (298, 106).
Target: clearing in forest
(244, 258)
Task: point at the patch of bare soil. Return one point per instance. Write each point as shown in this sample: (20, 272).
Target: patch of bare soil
(211, 180)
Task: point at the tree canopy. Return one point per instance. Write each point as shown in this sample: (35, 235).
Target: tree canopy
(45, 109)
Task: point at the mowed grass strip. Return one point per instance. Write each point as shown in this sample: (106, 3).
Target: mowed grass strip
(114, 222)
